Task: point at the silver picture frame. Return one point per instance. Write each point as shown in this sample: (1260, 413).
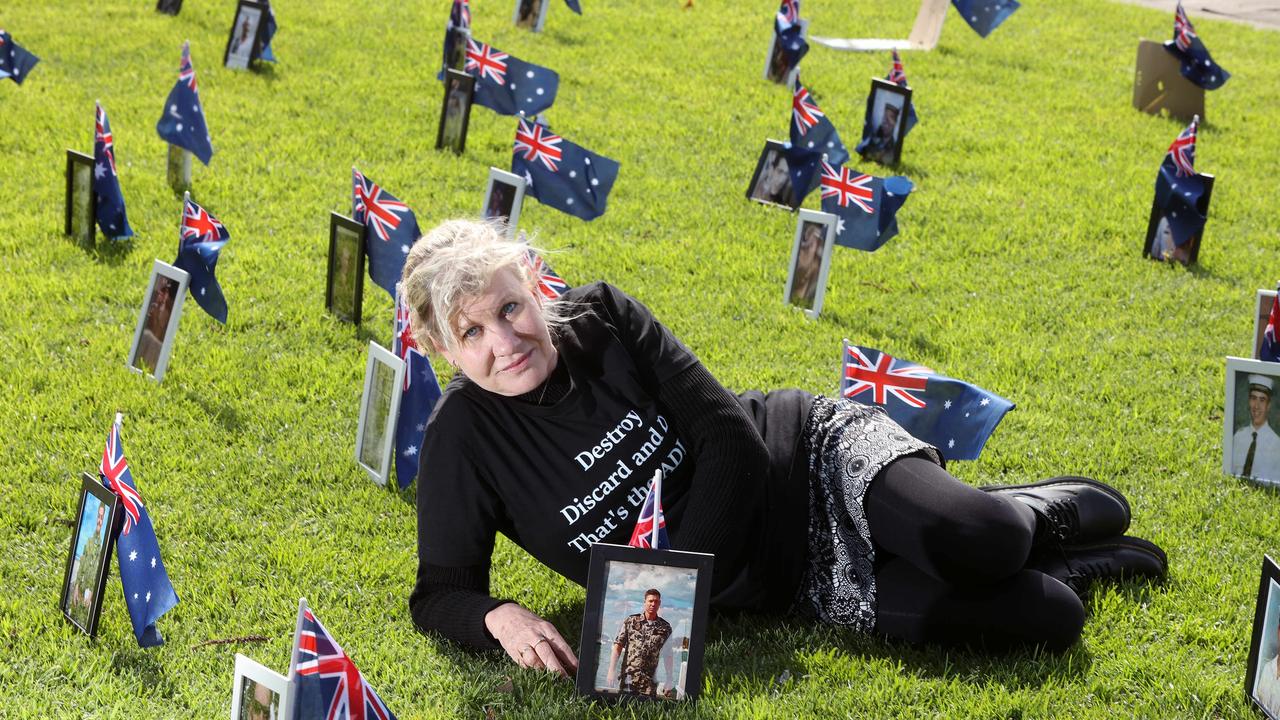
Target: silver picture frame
(259, 693)
(807, 272)
(379, 408)
(504, 198)
(161, 310)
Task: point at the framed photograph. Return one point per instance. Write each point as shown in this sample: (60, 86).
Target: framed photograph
(643, 628)
(810, 261)
(1262, 674)
(245, 42)
(886, 116)
(1250, 445)
(771, 182)
(259, 693)
(178, 168)
(379, 406)
(531, 14)
(344, 289)
(158, 320)
(169, 7)
(503, 197)
(1261, 316)
(456, 40)
(775, 66)
(82, 203)
(1159, 87)
(90, 556)
(1159, 241)
(455, 112)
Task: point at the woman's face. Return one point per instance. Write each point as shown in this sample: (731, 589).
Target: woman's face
(502, 342)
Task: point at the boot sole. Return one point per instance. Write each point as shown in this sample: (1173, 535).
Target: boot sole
(1074, 480)
(1135, 543)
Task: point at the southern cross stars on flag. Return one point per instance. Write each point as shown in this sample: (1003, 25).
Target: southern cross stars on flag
(1269, 350)
(1195, 62)
(865, 206)
(550, 284)
(953, 416)
(182, 122)
(1179, 189)
(420, 393)
(106, 185)
(327, 684)
(508, 85)
(648, 533)
(203, 237)
(985, 15)
(813, 140)
(559, 173)
(390, 229)
(898, 76)
(15, 61)
(147, 591)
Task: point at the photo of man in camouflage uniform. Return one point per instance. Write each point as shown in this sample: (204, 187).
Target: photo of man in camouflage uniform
(639, 643)
(85, 569)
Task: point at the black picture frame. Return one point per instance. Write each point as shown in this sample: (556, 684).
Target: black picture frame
(459, 89)
(343, 231)
(1192, 246)
(250, 24)
(79, 174)
(169, 7)
(886, 150)
(1266, 616)
(95, 497)
(771, 182)
(620, 575)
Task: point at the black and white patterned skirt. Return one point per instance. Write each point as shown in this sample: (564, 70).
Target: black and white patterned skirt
(848, 444)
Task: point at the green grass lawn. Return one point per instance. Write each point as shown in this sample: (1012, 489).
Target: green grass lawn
(1018, 268)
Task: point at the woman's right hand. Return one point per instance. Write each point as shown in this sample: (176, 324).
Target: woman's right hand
(530, 640)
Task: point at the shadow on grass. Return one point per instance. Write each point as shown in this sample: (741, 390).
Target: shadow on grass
(226, 415)
(144, 665)
(264, 69)
(112, 252)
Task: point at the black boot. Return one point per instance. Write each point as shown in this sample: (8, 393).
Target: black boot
(1116, 558)
(1071, 510)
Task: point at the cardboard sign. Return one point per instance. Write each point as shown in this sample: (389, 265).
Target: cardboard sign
(1160, 89)
(924, 34)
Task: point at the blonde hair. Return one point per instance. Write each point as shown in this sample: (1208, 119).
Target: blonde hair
(458, 259)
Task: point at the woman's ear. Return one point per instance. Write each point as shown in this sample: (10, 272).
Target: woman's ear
(448, 356)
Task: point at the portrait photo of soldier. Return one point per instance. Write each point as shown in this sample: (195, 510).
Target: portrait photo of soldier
(637, 648)
(87, 562)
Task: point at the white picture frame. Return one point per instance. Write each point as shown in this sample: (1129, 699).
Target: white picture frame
(509, 197)
(1238, 418)
(167, 287)
(379, 408)
(250, 679)
(806, 285)
(1261, 314)
(534, 18)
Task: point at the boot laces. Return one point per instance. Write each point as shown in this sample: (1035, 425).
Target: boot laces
(1064, 518)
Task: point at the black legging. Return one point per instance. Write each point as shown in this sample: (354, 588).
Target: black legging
(949, 565)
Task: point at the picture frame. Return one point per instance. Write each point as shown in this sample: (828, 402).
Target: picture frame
(456, 39)
(530, 14)
(1159, 87)
(344, 279)
(771, 182)
(169, 7)
(1249, 407)
(504, 198)
(1158, 244)
(888, 105)
(1261, 316)
(379, 408)
(82, 202)
(455, 111)
(244, 43)
(1261, 677)
(158, 320)
(615, 624)
(775, 61)
(807, 272)
(89, 557)
(259, 693)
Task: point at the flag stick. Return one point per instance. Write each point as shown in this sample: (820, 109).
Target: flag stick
(657, 505)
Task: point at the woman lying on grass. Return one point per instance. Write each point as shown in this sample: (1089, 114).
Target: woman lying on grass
(824, 507)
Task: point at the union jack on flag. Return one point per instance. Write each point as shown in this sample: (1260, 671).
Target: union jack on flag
(404, 337)
(375, 208)
(114, 468)
(788, 14)
(102, 134)
(1183, 150)
(804, 110)
(186, 72)
(1183, 32)
(1269, 350)
(198, 226)
(883, 377)
(421, 391)
(550, 284)
(329, 685)
(538, 144)
(897, 74)
(847, 187)
(490, 63)
(642, 536)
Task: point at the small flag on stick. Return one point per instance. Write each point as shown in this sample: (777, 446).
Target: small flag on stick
(651, 526)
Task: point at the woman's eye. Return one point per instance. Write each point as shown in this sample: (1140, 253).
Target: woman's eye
(470, 332)
(509, 308)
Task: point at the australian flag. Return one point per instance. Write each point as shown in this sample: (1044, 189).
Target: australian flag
(182, 123)
(550, 284)
(985, 15)
(813, 140)
(458, 29)
(898, 76)
(865, 206)
(788, 15)
(420, 393)
(203, 238)
(574, 6)
(1197, 65)
(651, 516)
(565, 176)
(268, 32)
(106, 184)
(147, 590)
(508, 85)
(327, 684)
(953, 416)
(1179, 189)
(789, 35)
(1269, 350)
(390, 229)
(15, 61)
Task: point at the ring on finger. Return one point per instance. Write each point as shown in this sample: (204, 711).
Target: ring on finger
(540, 641)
